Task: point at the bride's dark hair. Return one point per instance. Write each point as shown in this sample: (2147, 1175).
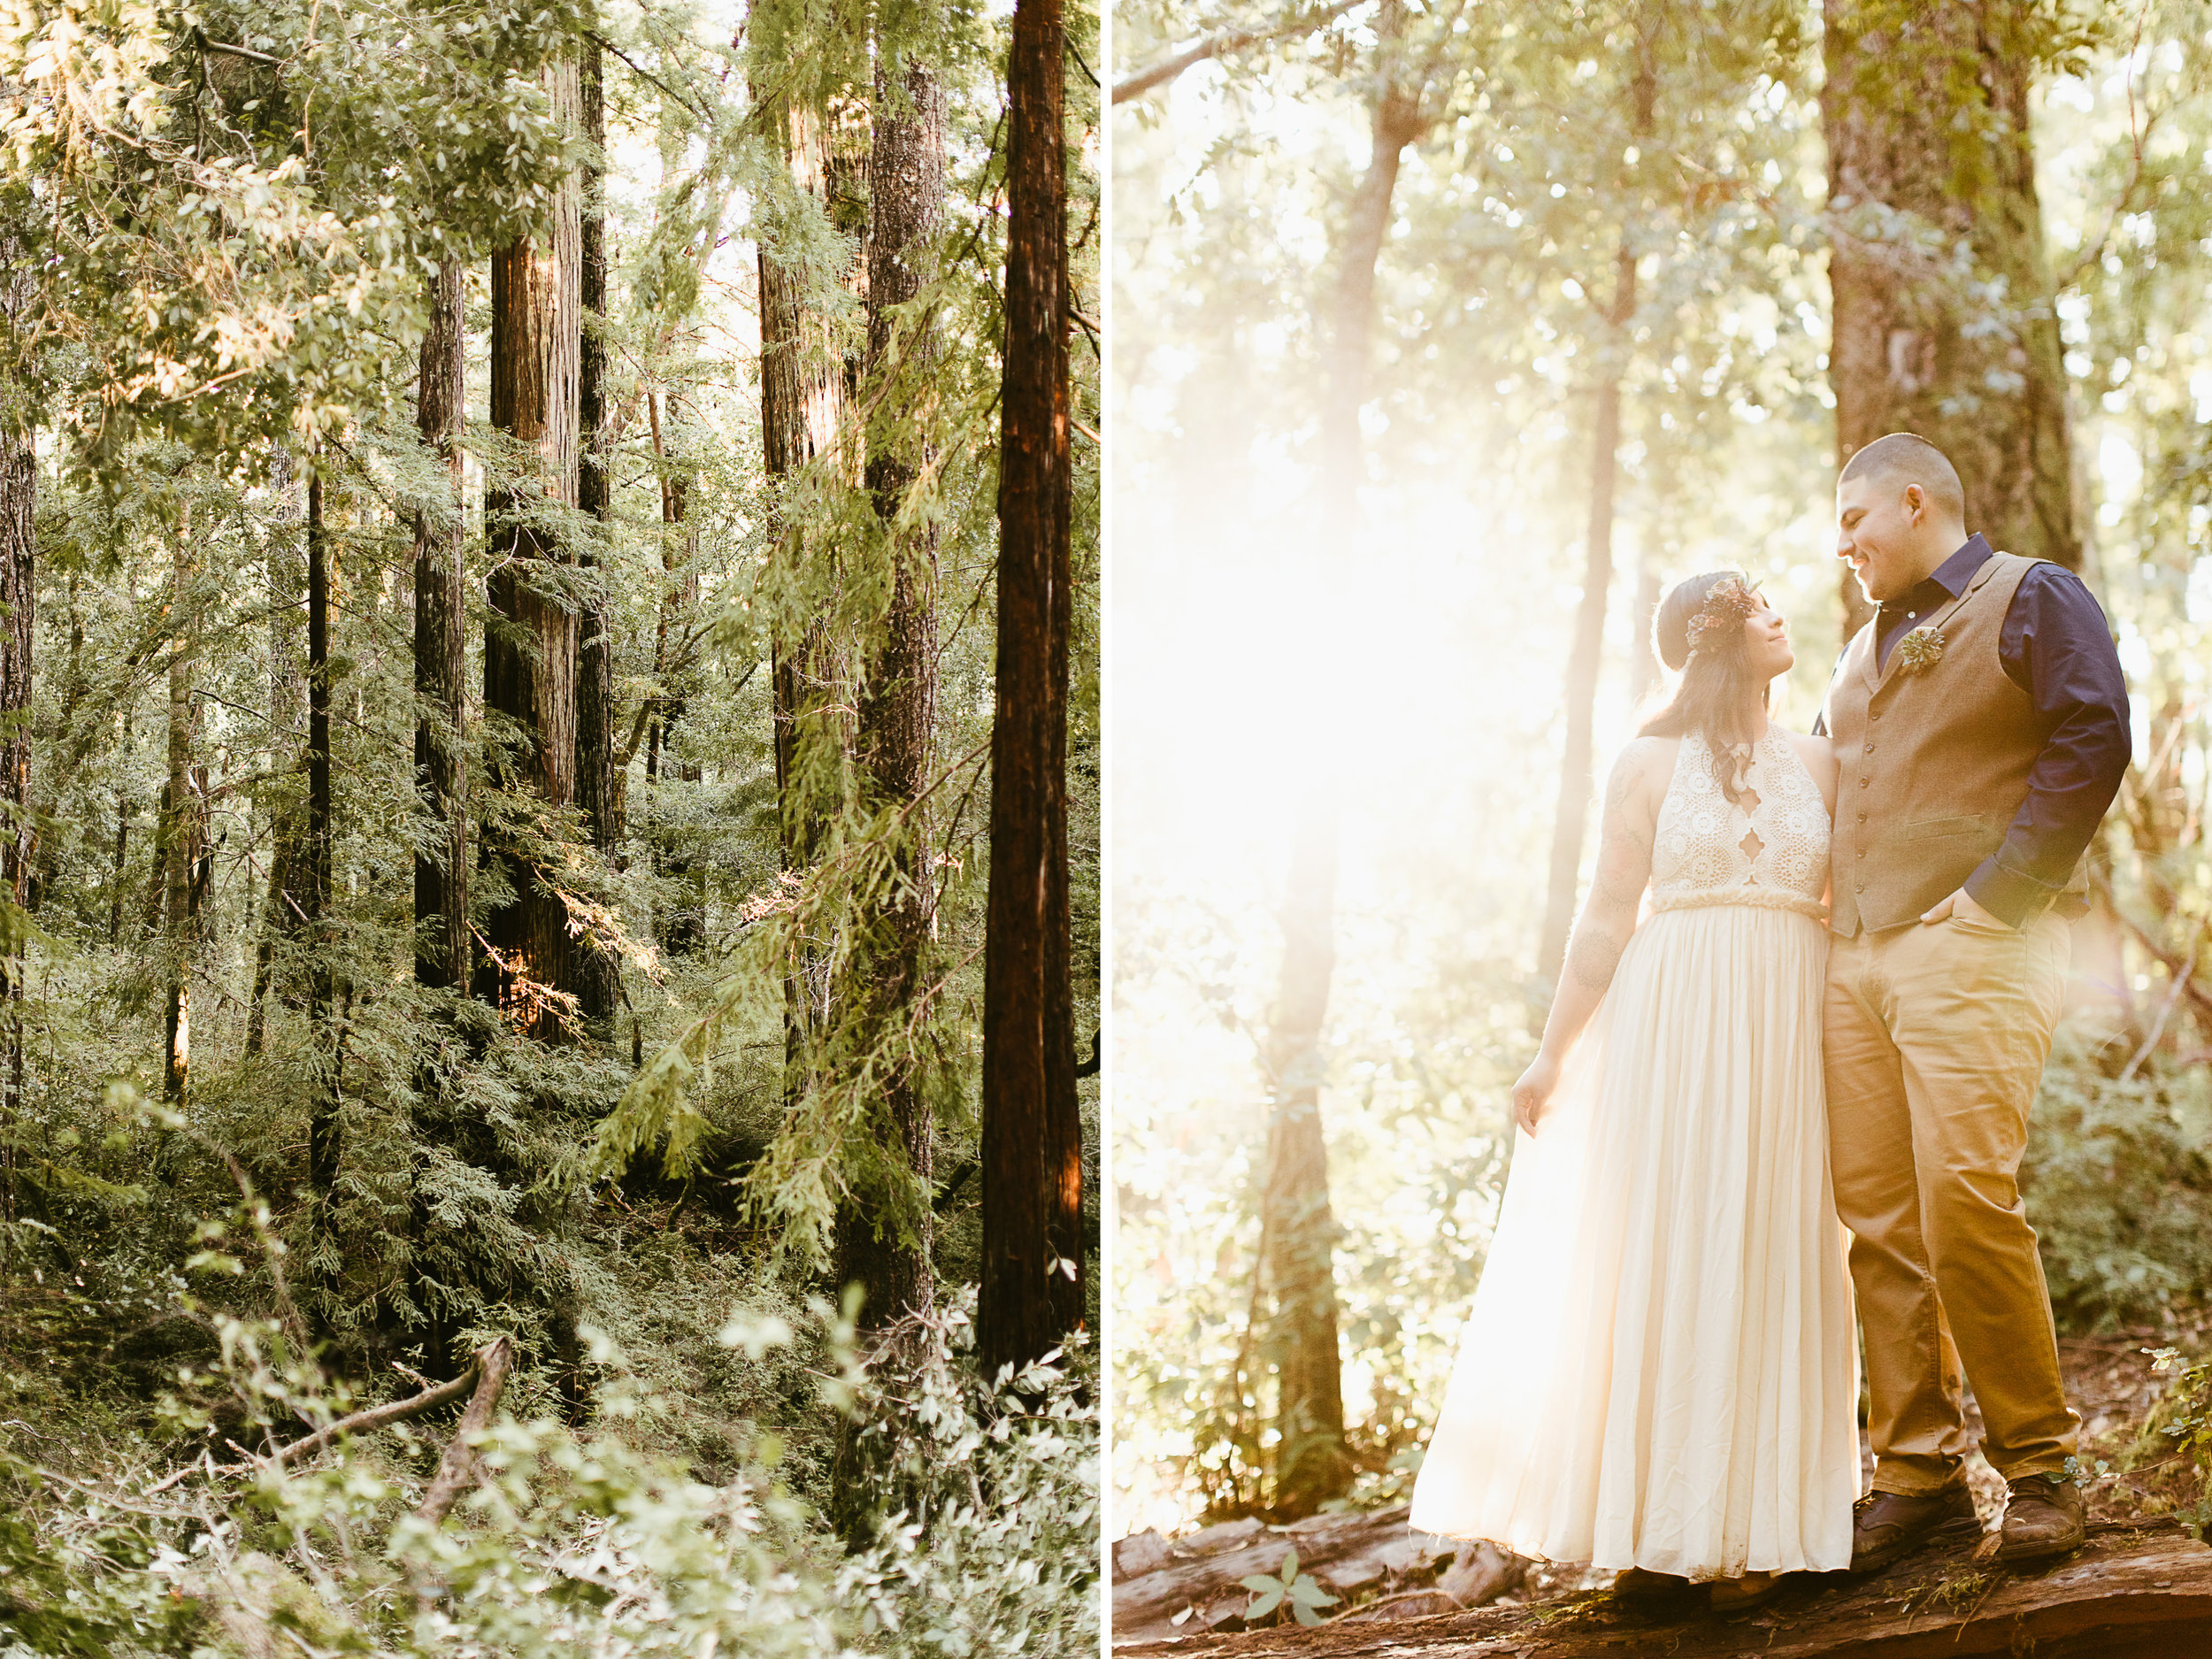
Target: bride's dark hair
(1709, 698)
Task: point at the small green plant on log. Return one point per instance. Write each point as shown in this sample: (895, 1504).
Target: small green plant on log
(1301, 1592)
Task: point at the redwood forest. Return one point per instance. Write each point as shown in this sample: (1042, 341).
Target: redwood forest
(549, 819)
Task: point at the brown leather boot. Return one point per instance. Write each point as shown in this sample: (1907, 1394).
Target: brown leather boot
(1734, 1595)
(2045, 1516)
(1886, 1526)
(1642, 1587)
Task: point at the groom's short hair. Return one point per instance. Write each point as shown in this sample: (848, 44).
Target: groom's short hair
(1906, 457)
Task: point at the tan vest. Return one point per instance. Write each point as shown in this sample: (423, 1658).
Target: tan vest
(1932, 763)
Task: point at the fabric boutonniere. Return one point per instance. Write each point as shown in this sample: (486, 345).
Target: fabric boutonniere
(1918, 651)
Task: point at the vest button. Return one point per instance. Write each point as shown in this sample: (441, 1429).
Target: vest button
(1860, 854)
(1861, 817)
(1863, 783)
(1870, 748)
(1858, 887)
(1873, 717)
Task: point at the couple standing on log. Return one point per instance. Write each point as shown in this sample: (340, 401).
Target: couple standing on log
(1835, 1007)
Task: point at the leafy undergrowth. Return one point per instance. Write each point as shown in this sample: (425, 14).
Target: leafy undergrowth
(682, 1518)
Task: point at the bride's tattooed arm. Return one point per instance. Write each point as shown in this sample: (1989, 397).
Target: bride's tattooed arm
(1608, 915)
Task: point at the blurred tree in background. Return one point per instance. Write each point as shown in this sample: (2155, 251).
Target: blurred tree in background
(1642, 272)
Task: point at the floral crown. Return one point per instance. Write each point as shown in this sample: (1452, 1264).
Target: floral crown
(1719, 623)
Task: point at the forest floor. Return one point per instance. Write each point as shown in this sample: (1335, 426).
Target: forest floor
(2142, 1587)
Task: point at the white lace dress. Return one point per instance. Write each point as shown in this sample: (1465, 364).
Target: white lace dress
(1659, 1369)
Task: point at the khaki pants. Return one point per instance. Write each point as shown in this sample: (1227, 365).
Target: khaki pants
(1935, 1038)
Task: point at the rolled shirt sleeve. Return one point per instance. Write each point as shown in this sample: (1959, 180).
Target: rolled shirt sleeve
(2056, 646)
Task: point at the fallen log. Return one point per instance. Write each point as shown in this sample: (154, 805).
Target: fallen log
(2134, 1592)
(461, 1468)
(1163, 1586)
(380, 1417)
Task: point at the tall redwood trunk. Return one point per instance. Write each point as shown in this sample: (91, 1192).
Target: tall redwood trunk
(442, 918)
(681, 926)
(1032, 1292)
(315, 899)
(884, 1245)
(530, 648)
(598, 787)
(18, 591)
(1900, 141)
(178, 847)
(287, 708)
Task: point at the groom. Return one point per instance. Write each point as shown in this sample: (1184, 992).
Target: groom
(1980, 725)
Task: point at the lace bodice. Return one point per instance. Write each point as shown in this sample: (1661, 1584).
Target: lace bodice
(1708, 849)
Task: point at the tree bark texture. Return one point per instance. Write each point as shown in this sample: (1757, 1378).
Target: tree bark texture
(1925, 112)
(530, 648)
(598, 786)
(18, 591)
(441, 911)
(1032, 1292)
(886, 1246)
(1297, 1224)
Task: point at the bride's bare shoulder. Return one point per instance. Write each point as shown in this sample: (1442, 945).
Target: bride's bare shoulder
(1646, 764)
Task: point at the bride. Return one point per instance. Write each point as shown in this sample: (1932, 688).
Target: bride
(1658, 1375)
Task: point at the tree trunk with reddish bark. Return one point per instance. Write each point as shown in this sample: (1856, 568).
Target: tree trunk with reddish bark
(530, 648)
(598, 786)
(1032, 1292)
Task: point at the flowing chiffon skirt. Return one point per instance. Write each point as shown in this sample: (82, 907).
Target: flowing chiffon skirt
(1660, 1370)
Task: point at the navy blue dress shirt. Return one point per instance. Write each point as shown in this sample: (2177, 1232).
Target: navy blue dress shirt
(2056, 646)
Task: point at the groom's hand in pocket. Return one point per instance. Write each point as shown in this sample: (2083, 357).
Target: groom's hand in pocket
(1963, 904)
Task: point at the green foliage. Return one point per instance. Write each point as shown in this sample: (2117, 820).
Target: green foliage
(1299, 1592)
(592, 1541)
(2185, 1418)
(987, 1539)
(2119, 1183)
